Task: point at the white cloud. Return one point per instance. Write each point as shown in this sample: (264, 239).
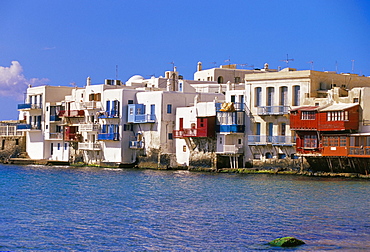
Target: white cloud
(14, 83)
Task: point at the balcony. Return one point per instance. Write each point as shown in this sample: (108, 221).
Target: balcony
(234, 128)
(73, 137)
(28, 106)
(9, 131)
(57, 136)
(89, 146)
(272, 110)
(109, 114)
(136, 114)
(29, 127)
(54, 118)
(272, 140)
(190, 133)
(90, 127)
(136, 145)
(92, 105)
(108, 136)
(142, 118)
(231, 149)
(230, 106)
(71, 113)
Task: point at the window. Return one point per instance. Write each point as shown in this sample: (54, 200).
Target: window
(308, 115)
(270, 96)
(180, 86)
(296, 95)
(239, 141)
(170, 136)
(130, 102)
(237, 79)
(258, 96)
(169, 108)
(232, 98)
(65, 146)
(283, 96)
(51, 148)
(58, 146)
(355, 100)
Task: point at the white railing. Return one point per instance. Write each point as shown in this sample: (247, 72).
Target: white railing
(275, 140)
(56, 136)
(89, 127)
(89, 146)
(91, 105)
(231, 149)
(9, 131)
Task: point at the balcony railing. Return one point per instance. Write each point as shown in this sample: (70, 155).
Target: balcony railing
(108, 136)
(89, 146)
(9, 131)
(73, 137)
(143, 118)
(89, 127)
(136, 144)
(230, 106)
(29, 127)
(56, 136)
(272, 110)
(29, 106)
(231, 149)
(190, 133)
(71, 113)
(92, 105)
(54, 118)
(234, 128)
(109, 114)
(274, 140)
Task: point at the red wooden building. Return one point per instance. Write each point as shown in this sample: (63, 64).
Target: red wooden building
(205, 127)
(317, 128)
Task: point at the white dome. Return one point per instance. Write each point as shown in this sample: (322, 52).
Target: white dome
(136, 78)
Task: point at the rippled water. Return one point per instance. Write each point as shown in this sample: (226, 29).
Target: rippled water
(91, 209)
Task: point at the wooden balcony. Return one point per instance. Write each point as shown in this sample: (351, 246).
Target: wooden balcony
(71, 113)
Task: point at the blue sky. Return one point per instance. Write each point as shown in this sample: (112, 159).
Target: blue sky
(63, 42)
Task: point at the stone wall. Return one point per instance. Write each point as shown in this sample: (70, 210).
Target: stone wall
(12, 146)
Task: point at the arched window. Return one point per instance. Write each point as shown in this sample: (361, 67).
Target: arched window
(296, 95)
(220, 79)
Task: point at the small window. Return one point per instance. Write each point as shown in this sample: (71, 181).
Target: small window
(169, 108)
(170, 136)
(58, 146)
(355, 100)
(130, 102)
(65, 146)
(51, 148)
(239, 141)
(184, 148)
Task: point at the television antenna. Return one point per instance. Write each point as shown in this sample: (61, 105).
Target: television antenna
(311, 62)
(287, 60)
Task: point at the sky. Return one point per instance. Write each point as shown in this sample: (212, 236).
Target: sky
(61, 43)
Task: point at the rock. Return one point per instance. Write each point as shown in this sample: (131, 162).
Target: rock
(286, 242)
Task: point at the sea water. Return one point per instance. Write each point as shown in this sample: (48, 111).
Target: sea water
(94, 209)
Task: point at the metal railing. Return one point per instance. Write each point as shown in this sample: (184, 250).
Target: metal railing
(9, 131)
(274, 140)
(29, 106)
(89, 146)
(231, 149)
(89, 127)
(272, 110)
